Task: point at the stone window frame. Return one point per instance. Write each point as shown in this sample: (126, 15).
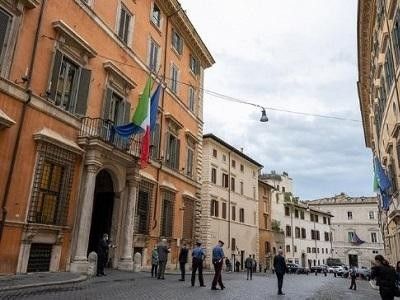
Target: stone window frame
(170, 196)
(153, 67)
(158, 23)
(149, 187)
(129, 37)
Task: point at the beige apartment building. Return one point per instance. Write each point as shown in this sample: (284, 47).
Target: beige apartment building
(378, 87)
(229, 199)
(353, 215)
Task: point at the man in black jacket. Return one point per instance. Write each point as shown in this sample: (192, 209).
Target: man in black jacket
(102, 254)
(183, 257)
(280, 269)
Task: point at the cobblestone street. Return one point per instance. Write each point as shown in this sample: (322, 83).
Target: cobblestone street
(122, 285)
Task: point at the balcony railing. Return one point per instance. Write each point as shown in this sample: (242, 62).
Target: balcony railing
(101, 129)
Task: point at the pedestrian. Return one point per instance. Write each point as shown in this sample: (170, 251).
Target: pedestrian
(398, 274)
(198, 256)
(154, 262)
(280, 269)
(325, 270)
(249, 264)
(254, 264)
(353, 275)
(237, 266)
(228, 265)
(218, 260)
(183, 256)
(162, 250)
(385, 276)
(102, 254)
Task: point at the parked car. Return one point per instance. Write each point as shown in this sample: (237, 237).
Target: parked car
(336, 269)
(330, 269)
(343, 272)
(364, 273)
(293, 268)
(316, 268)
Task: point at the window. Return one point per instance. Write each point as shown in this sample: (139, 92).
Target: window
(371, 215)
(241, 188)
(287, 211)
(233, 163)
(349, 215)
(69, 85)
(173, 150)
(295, 248)
(177, 42)
(155, 141)
(329, 221)
(296, 213)
(326, 236)
(52, 185)
(145, 196)
(389, 69)
(174, 78)
(316, 218)
(167, 217)
(214, 208)
(267, 247)
(303, 233)
(189, 159)
(297, 232)
(233, 213)
(214, 175)
(156, 15)
(287, 248)
(266, 222)
(324, 220)
(288, 230)
(5, 26)
(116, 109)
(318, 252)
(241, 215)
(308, 250)
(154, 53)
(396, 36)
(302, 215)
(215, 153)
(194, 65)
(315, 235)
(283, 189)
(350, 236)
(232, 184)
(224, 210)
(191, 99)
(225, 179)
(233, 244)
(311, 217)
(223, 157)
(241, 168)
(314, 250)
(373, 237)
(124, 24)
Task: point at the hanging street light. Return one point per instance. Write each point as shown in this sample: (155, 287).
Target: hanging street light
(264, 117)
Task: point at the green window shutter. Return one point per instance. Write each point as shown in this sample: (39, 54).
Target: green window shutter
(177, 152)
(56, 72)
(83, 92)
(127, 112)
(155, 141)
(107, 104)
(4, 27)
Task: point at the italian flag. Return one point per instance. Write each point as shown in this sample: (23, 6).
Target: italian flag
(145, 117)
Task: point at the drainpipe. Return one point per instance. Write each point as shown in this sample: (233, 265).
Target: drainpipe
(16, 146)
(229, 201)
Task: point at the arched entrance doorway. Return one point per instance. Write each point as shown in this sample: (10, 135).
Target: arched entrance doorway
(103, 204)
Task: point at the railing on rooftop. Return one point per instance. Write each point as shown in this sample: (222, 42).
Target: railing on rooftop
(97, 128)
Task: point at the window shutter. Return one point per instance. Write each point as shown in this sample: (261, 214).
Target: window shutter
(155, 141)
(56, 72)
(177, 152)
(83, 92)
(127, 111)
(167, 148)
(4, 24)
(107, 104)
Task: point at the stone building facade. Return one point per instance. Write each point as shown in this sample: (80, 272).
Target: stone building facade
(229, 199)
(69, 71)
(353, 215)
(378, 89)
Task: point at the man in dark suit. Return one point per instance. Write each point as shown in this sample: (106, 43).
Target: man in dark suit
(183, 257)
(280, 269)
(102, 254)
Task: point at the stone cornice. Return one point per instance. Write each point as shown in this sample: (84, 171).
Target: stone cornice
(365, 21)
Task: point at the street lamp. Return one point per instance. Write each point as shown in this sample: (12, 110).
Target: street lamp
(264, 117)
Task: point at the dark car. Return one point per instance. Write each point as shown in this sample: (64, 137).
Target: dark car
(295, 269)
(317, 269)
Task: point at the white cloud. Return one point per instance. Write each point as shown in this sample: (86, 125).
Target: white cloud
(296, 55)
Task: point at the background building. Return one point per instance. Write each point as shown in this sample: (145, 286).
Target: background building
(378, 89)
(69, 71)
(229, 200)
(353, 215)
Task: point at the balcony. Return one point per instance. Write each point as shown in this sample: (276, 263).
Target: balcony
(94, 130)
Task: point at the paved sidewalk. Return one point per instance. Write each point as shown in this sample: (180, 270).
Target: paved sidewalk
(14, 282)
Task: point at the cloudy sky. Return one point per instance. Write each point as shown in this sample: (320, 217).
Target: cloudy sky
(295, 55)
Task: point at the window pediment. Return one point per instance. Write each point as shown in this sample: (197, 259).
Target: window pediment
(5, 120)
(72, 38)
(119, 77)
(54, 138)
(173, 122)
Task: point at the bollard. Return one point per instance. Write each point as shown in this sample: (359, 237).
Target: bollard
(137, 262)
(92, 266)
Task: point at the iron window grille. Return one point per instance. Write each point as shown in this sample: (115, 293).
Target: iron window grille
(52, 185)
(167, 219)
(145, 197)
(188, 219)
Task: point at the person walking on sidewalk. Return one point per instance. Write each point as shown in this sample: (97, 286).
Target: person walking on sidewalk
(249, 264)
(162, 250)
(280, 269)
(154, 262)
(218, 261)
(197, 264)
(385, 276)
(183, 257)
(353, 275)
